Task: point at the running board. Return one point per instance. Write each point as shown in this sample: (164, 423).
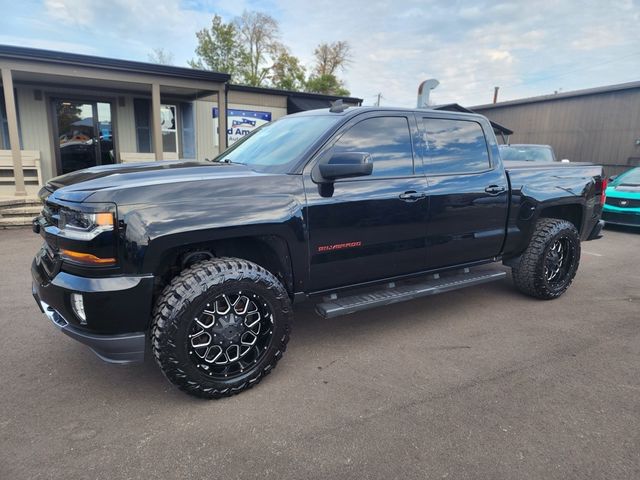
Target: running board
(334, 306)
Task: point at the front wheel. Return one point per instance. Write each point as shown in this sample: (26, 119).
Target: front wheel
(220, 326)
(550, 262)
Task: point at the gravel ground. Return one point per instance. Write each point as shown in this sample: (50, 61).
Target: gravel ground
(479, 383)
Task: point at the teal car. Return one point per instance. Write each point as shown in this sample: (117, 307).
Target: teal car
(622, 205)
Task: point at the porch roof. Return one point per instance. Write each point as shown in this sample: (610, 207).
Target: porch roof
(11, 52)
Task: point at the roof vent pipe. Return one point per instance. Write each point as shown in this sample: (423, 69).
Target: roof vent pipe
(424, 90)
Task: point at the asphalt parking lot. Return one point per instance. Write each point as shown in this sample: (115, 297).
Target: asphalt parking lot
(479, 383)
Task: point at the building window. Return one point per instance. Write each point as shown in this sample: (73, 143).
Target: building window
(188, 131)
(5, 143)
(171, 136)
(142, 115)
(169, 124)
(4, 127)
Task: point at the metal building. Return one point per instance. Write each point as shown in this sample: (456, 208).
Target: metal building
(599, 125)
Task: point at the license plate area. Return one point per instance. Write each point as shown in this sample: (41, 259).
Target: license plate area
(48, 261)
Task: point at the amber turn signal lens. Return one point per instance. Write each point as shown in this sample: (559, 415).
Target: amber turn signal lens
(86, 258)
(103, 219)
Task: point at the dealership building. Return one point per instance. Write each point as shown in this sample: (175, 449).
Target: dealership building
(61, 112)
(598, 125)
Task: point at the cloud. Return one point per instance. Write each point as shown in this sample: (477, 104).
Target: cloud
(526, 48)
(70, 12)
(49, 44)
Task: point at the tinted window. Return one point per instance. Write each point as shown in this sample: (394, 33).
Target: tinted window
(142, 116)
(386, 139)
(275, 147)
(527, 154)
(454, 146)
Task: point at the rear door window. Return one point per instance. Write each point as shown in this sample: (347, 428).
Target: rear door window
(454, 146)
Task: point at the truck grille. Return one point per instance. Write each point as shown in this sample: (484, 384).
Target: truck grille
(621, 218)
(623, 202)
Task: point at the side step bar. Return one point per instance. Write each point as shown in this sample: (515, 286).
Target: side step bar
(334, 306)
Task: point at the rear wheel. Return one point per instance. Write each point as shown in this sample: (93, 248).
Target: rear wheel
(550, 262)
(220, 327)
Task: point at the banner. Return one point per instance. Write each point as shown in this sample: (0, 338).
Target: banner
(242, 122)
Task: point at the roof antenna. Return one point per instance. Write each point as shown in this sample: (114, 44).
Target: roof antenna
(338, 106)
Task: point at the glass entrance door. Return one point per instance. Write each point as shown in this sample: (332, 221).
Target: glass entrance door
(85, 134)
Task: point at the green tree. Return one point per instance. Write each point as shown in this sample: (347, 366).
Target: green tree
(218, 48)
(329, 59)
(327, 84)
(287, 72)
(249, 49)
(259, 34)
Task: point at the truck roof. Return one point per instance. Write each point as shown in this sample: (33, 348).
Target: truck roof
(352, 111)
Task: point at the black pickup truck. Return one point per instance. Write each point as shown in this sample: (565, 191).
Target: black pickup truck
(349, 208)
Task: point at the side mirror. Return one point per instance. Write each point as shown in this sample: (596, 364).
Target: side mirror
(565, 160)
(346, 165)
(612, 178)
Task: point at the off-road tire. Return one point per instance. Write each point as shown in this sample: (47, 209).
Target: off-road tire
(529, 272)
(175, 308)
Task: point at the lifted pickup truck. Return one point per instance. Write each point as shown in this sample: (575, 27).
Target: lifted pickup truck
(350, 208)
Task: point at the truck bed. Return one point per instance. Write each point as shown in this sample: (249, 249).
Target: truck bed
(567, 177)
(515, 164)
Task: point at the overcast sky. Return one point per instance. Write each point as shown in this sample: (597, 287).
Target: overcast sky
(528, 48)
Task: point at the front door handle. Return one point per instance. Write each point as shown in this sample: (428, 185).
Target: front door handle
(412, 196)
(494, 189)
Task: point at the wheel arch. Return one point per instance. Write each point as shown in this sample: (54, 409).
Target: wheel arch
(571, 212)
(269, 251)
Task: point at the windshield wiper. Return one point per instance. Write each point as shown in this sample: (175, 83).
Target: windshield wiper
(227, 160)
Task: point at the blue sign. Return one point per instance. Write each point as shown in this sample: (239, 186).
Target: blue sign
(242, 122)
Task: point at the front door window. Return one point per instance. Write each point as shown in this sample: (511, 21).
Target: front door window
(85, 134)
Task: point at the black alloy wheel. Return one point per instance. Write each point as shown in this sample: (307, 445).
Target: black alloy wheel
(220, 327)
(231, 334)
(550, 262)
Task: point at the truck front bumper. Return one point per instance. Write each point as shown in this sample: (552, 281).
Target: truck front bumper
(625, 217)
(114, 328)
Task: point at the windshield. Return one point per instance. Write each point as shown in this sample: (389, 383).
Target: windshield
(632, 177)
(277, 146)
(527, 154)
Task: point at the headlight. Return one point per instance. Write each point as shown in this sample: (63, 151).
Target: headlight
(84, 226)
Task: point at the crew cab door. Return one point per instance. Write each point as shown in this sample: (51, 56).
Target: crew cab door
(468, 190)
(371, 227)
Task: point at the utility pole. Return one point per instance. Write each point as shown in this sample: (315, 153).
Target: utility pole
(378, 101)
(495, 94)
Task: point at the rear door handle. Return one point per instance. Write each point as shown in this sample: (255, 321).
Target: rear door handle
(494, 189)
(412, 196)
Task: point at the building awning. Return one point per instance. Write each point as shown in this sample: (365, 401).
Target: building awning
(298, 104)
(299, 101)
(71, 60)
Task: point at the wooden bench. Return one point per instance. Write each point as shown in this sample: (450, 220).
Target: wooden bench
(30, 163)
